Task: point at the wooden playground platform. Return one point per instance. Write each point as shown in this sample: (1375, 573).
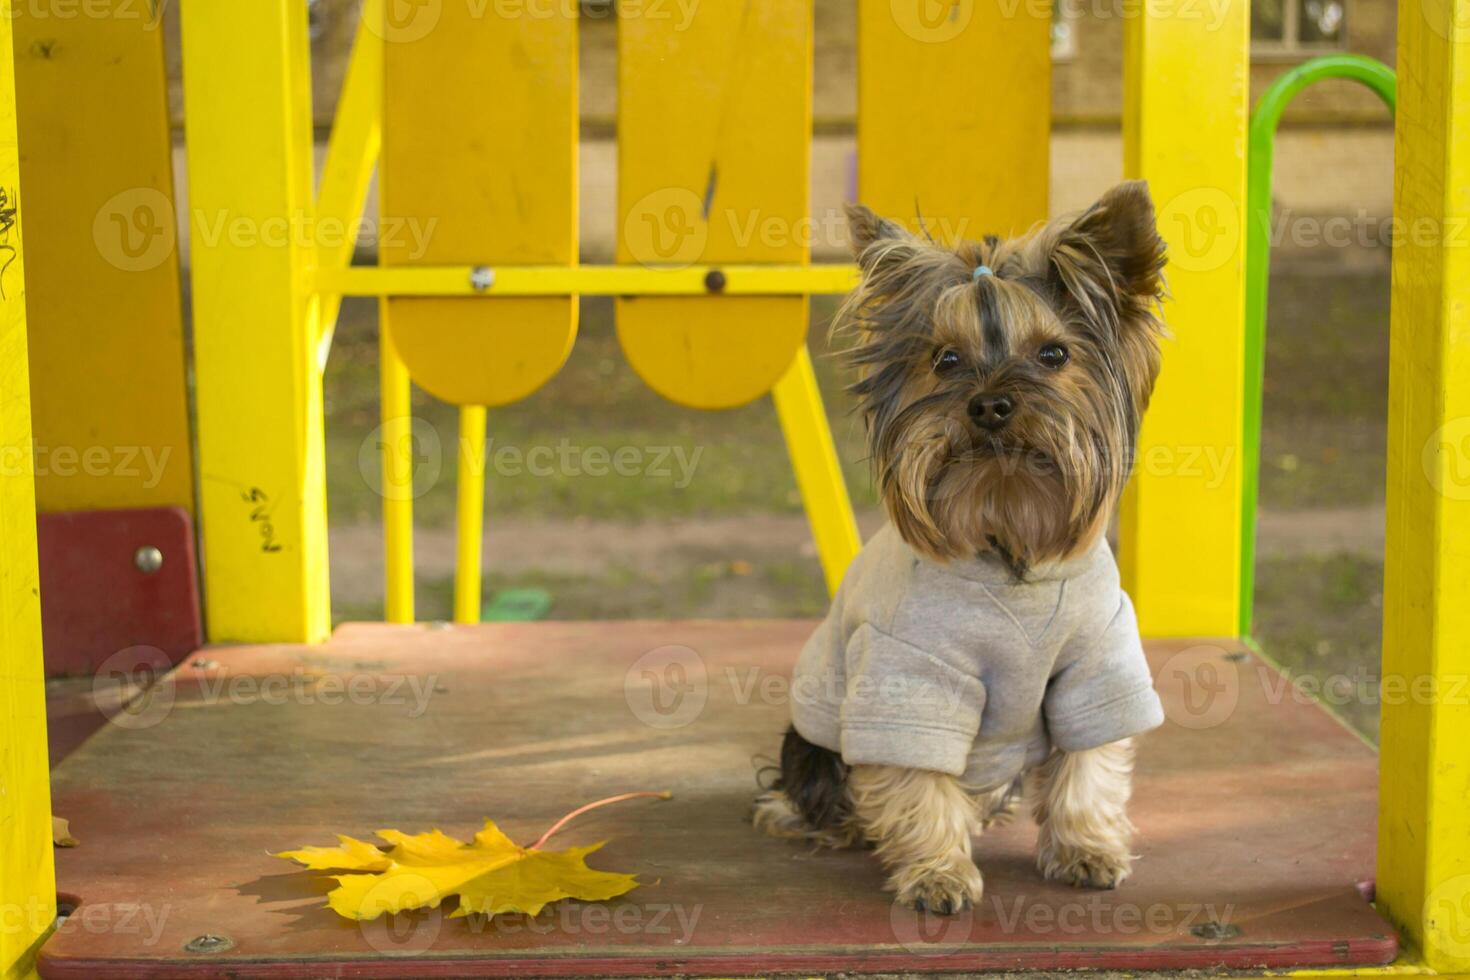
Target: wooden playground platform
(1255, 812)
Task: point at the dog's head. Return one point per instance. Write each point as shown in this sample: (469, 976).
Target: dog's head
(1002, 382)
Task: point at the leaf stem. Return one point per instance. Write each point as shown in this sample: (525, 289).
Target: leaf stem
(662, 795)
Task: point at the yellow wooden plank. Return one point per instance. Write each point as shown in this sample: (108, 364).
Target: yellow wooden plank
(110, 405)
(714, 127)
(1184, 131)
(469, 482)
(585, 280)
(262, 482)
(954, 110)
(479, 166)
(27, 878)
(1424, 821)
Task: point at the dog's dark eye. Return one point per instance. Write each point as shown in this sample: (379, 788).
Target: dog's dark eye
(1053, 355)
(946, 358)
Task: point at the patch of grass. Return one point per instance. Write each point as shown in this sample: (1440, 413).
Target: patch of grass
(553, 453)
(1321, 618)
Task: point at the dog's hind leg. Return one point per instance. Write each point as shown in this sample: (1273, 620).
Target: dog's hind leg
(921, 823)
(809, 798)
(1080, 800)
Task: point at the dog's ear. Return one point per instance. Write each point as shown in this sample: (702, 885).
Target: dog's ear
(1113, 251)
(1110, 261)
(866, 228)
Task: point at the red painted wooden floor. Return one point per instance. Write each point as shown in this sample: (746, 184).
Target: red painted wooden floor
(1255, 814)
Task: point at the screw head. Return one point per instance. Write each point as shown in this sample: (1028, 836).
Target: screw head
(148, 559)
(482, 277)
(714, 281)
(209, 943)
(1215, 930)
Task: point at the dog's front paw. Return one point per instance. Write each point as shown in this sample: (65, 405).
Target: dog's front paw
(1084, 869)
(945, 889)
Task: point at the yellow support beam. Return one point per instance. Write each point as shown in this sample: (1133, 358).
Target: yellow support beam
(27, 876)
(479, 166)
(714, 158)
(398, 452)
(103, 297)
(1424, 795)
(818, 471)
(954, 111)
(1185, 115)
(352, 153)
(256, 321)
(587, 280)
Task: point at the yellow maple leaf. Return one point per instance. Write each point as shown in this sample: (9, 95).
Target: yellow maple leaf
(491, 874)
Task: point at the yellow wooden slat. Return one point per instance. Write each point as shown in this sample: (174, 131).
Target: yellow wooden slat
(1424, 818)
(954, 109)
(585, 280)
(398, 454)
(1185, 132)
(479, 166)
(714, 127)
(469, 483)
(262, 480)
(27, 877)
(105, 320)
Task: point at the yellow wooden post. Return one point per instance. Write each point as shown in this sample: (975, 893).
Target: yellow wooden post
(954, 114)
(1424, 808)
(398, 454)
(1184, 127)
(262, 481)
(103, 297)
(27, 877)
(470, 513)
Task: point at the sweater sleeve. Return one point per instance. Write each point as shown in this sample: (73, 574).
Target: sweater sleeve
(905, 707)
(1107, 692)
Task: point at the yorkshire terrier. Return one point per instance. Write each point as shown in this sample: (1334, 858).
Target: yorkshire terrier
(980, 649)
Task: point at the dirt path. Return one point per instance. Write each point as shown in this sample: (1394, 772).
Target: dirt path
(591, 549)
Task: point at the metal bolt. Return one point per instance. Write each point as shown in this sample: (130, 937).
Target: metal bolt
(482, 277)
(1236, 656)
(148, 559)
(714, 281)
(209, 943)
(1215, 930)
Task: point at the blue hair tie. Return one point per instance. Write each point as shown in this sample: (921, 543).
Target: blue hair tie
(981, 270)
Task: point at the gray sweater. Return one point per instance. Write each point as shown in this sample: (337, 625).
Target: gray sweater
(961, 669)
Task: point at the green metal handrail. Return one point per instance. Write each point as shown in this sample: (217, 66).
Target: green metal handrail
(1376, 76)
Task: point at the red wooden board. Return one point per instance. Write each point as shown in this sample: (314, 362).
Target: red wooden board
(98, 608)
(1255, 813)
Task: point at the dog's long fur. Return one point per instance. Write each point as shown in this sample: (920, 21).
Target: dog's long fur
(930, 337)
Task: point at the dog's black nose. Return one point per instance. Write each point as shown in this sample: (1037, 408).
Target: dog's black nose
(992, 411)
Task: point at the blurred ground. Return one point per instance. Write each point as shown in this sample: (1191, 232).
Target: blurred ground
(710, 523)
